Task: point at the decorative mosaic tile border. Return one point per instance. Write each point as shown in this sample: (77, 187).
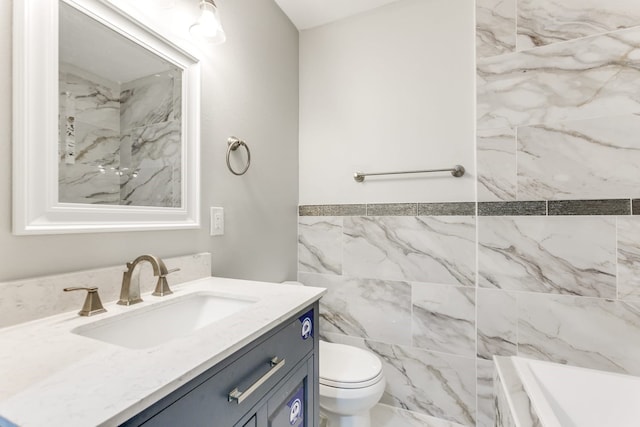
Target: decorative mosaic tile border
(512, 208)
(443, 209)
(517, 208)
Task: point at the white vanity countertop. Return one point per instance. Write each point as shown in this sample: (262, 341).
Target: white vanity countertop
(52, 377)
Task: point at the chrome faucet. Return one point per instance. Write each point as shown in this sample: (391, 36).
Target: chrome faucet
(131, 295)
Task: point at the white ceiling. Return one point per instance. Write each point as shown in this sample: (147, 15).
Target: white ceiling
(307, 14)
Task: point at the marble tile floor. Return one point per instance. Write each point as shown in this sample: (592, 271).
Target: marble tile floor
(388, 416)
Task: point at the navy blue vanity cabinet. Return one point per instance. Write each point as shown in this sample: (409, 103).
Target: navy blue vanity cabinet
(271, 382)
(291, 404)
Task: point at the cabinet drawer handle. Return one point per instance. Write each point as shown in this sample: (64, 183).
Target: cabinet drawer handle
(240, 396)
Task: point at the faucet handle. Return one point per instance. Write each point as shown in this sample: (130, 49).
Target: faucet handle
(92, 304)
(162, 286)
(173, 270)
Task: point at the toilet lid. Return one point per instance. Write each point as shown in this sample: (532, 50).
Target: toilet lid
(348, 367)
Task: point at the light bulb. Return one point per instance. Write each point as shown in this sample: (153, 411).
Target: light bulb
(208, 26)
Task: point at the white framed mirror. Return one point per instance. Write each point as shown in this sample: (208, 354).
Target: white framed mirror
(106, 122)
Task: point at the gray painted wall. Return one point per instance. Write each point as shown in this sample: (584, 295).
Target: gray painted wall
(250, 89)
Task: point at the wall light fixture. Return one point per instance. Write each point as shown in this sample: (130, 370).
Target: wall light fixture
(208, 26)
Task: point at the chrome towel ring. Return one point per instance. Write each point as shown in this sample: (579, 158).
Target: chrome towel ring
(233, 144)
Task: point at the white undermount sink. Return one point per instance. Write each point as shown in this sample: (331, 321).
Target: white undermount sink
(164, 321)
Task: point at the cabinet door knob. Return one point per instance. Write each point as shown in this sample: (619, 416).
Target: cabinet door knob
(239, 396)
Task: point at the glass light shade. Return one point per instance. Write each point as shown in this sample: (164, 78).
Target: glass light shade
(208, 26)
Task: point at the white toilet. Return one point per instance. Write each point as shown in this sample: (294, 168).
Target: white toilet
(351, 383)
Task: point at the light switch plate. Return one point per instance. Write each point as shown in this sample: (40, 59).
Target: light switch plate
(216, 221)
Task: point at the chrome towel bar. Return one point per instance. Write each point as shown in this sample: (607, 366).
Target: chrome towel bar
(457, 171)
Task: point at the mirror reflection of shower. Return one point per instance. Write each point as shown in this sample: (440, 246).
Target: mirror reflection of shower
(120, 119)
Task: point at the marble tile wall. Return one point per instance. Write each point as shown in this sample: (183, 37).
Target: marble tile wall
(496, 27)
(542, 22)
(558, 109)
(628, 259)
(516, 409)
(592, 159)
(573, 80)
(421, 249)
(559, 287)
(444, 318)
(503, 412)
(485, 393)
(389, 416)
(588, 332)
(559, 255)
(320, 245)
(428, 383)
(496, 164)
(545, 264)
(402, 286)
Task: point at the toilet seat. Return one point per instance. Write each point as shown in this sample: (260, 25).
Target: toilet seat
(345, 385)
(343, 366)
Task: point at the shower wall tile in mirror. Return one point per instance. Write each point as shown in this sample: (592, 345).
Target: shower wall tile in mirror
(90, 119)
(151, 140)
(121, 142)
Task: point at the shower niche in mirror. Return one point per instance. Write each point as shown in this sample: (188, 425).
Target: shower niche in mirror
(106, 122)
